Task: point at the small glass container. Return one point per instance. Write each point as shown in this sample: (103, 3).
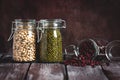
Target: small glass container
(70, 52)
(113, 50)
(51, 40)
(24, 40)
(93, 52)
(93, 48)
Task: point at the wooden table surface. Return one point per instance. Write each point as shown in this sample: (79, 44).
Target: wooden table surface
(10, 70)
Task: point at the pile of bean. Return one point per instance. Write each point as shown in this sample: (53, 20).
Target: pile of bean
(24, 45)
(51, 46)
(87, 55)
(82, 60)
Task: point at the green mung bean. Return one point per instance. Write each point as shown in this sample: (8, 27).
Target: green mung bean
(51, 46)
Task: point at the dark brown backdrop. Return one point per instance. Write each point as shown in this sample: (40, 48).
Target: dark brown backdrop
(84, 18)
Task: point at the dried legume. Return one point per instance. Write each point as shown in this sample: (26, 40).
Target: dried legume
(24, 45)
(51, 46)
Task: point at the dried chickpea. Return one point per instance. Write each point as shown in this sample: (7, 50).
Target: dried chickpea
(24, 45)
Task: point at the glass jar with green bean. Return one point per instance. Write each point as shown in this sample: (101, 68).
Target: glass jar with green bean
(51, 40)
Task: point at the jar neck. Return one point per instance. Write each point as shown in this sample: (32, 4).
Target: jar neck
(113, 50)
(24, 24)
(18, 24)
(52, 23)
(88, 46)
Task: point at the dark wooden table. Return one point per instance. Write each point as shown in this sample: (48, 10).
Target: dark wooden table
(55, 71)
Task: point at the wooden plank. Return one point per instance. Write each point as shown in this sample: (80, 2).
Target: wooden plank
(112, 71)
(86, 73)
(46, 71)
(13, 71)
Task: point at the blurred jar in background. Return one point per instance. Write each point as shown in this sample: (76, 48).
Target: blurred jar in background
(113, 50)
(71, 56)
(70, 52)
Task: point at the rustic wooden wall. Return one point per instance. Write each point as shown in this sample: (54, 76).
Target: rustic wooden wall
(84, 18)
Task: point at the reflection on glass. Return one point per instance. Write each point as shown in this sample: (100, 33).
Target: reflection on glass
(113, 50)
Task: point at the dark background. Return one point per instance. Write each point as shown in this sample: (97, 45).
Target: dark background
(84, 18)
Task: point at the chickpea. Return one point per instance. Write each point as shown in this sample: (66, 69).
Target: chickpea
(24, 45)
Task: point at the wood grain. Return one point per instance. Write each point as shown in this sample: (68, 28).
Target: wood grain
(46, 71)
(112, 71)
(86, 73)
(13, 71)
(56, 71)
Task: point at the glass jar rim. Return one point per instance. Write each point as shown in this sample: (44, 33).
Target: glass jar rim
(52, 23)
(108, 50)
(94, 44)
(24, 20)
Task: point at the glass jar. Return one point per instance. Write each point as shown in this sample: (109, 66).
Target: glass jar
(70, 52)
(24, 40)
(93, 49)
(113, 50)
(51, 40)
(96, 49)
(88, 49)
(93, 52)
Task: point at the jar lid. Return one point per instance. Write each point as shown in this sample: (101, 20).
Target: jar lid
(25, 20)
(24, 23)
(52, 23)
